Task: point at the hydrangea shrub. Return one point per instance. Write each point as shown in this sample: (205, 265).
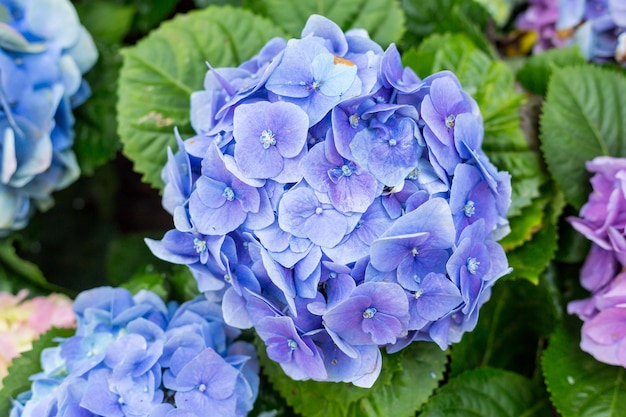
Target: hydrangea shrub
(44, 50)
(602, 220)
(337, 203)
(135, 355)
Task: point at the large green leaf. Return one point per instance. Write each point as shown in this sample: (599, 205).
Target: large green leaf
(496, 342)
(25, 365)
(488, 392)
(407, 379)
(427, 17)
(163, 69)
(584, 116)
(536, 72)
(579, 385)
(383, 19)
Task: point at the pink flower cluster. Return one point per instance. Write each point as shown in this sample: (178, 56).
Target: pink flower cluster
(23, 320)
(603, 221)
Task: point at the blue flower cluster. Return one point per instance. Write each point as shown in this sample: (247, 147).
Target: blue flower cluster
(135, 356)
(44, 50)
(598, 27)
(337, 203)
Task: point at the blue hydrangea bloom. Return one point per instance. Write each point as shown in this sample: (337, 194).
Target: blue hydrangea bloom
(44, 50)
(136, 356)
(336, 203)
(596, 26)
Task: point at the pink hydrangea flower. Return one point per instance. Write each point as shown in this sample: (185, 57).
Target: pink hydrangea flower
(604, 328)
(603, 221)
(23, 320)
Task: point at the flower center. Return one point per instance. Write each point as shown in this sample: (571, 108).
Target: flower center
(392, 142)
(346, 170)
(201, 387)
(354, 120)
(472, 265)
(332, 275)
(414, 252)
(450, 121)
(369, 312)
(267, 138)
(417, 294)
(319, 210)
(292, 344)
(469, 208)
(228, 194)
(199, 245)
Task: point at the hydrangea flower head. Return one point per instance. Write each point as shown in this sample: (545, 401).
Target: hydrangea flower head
(338, 204)
(23, 320)
(134, 355)
(43, 53)
(596, 26)
(602, 221)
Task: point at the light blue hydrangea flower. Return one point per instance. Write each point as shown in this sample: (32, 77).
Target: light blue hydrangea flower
(134, 355)
(44, 50)
(337, 203)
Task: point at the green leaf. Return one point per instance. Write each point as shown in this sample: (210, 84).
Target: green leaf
(183, 284)
(427, 17)
(500, 10)
(106, 21)
(163, 69)
(384, 19)
(147, 280)
(150, 13)
(406, 381)
(579, 385)
(531, 259)
(17, 273)
(25, 365)
(496, 342)
(536, 72)
(96, 126)
(584, 116)
(488, 392)
(525, 225)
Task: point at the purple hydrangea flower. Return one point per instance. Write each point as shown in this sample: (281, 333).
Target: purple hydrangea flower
(268, 134)
(374, 313)
(338, 204)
